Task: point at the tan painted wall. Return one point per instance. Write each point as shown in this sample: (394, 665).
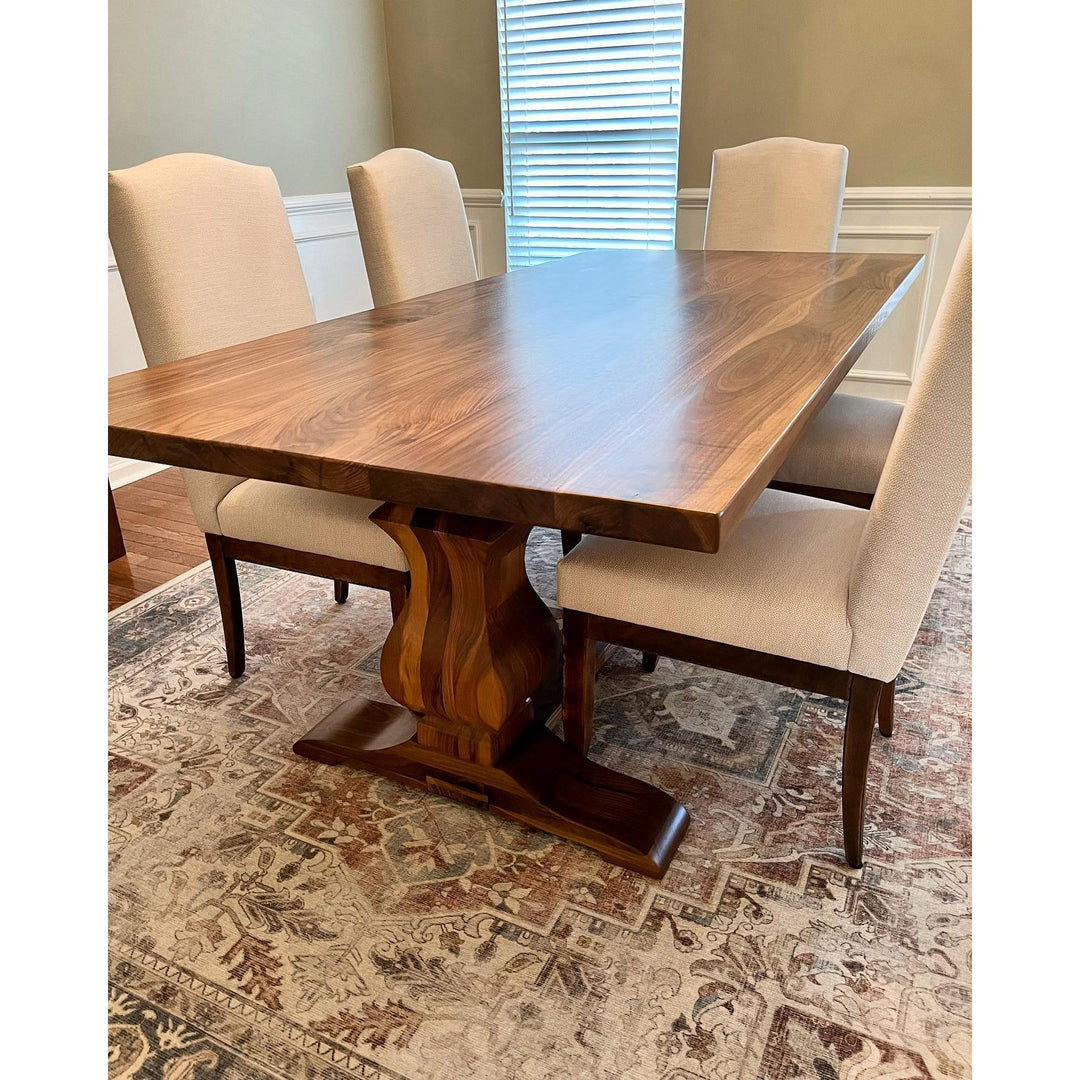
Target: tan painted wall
(889, 78)
(299, 86)
(444, 83)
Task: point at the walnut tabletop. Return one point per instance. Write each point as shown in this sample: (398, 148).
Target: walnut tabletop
(644, 395)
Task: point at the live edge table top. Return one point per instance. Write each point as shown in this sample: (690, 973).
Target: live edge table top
(644, 395)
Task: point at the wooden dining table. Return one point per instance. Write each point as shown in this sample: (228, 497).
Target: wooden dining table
(648, 395)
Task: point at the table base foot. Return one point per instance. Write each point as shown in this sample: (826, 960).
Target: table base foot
(541, 781)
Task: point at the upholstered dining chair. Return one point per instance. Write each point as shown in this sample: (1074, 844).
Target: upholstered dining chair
(786, 195)
(412, 224)
(811, 594)
(207, 259)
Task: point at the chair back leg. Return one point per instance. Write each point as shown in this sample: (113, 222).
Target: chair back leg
(885, 709)
(858, 732)
(341, 590)
(228, 592)
(579, 679)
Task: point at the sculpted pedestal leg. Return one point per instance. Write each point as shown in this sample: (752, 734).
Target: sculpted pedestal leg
(468, 650)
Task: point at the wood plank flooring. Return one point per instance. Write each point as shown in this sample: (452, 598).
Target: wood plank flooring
(161, 536)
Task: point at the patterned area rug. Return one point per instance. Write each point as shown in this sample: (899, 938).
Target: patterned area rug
(271, 917)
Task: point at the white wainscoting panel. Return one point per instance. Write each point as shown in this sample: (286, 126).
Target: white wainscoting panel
(916, 220)
(325, 232)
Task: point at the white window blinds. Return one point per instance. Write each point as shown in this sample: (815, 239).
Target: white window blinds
(590, 116)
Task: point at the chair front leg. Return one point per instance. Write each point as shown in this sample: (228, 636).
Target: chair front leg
(858, 734)
(341, 591)
(228, 592)
(579, 681)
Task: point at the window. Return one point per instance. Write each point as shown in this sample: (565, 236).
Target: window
(590, 117)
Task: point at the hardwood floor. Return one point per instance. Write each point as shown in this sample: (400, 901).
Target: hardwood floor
(161, 536)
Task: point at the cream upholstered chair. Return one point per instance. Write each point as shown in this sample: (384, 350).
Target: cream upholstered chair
(786, 195)
(207, 259)
(413, 230)
(776, 195)
(812, 594)
(412, 225)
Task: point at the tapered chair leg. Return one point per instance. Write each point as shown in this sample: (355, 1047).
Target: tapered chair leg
(570, 540)
(886, 708)
(649, 661)
(579, 681)
(341, 591)
(232, 616)
(858, 735)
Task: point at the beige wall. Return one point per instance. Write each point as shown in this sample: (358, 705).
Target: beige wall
(889, 78)
(444, 83)
(299, 86)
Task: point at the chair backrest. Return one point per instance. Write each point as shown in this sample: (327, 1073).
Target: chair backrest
(921, 494)
(412, 225)
(206, 255)
(207, 258)
(776, 195)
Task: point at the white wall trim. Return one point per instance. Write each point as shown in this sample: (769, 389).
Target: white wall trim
(126, 471)
(482, 196)
(302, 206)
(866, 198)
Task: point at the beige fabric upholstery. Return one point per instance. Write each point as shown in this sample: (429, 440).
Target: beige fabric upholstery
(207, 259)
(779, 585)
(412, 225)
(846, 445)
(309, 520)
(808, 579)
(776, 195)
(923, 489)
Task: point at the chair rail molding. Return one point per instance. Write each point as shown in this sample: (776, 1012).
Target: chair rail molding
(929, 221)
(324, 229)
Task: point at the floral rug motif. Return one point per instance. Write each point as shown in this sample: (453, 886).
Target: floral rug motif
(276, 918)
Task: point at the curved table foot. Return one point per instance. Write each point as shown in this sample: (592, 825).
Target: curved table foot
(541, 781)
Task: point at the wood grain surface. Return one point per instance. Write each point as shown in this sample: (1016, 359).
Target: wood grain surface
(646, 395)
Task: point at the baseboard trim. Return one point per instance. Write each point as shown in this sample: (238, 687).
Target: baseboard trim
(123, 471)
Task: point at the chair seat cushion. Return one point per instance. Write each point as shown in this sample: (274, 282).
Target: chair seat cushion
(306, 519)
(778, 585)
(846, 445)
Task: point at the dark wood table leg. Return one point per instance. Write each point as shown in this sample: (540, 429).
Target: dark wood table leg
(117, 550)
(470, 647)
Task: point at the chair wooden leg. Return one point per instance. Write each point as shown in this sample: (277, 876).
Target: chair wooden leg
(579, 681)
(570, 540)
(341, 591)
(116, 537)
(398, 595)
(885, 709)
(649, 660)
(858, 734)
(232, 616)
